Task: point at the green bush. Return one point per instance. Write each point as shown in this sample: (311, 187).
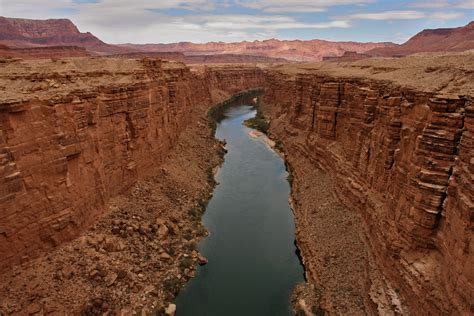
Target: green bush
(258, 124)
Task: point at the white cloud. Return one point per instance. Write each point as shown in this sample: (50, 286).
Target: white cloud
(405, 15)
(271, 22)
(444, 4)
(140, 21)
(202, 28)
(276, 6)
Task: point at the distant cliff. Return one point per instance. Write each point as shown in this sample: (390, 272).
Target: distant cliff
(435, 40)
(313, 50)
(54, 32)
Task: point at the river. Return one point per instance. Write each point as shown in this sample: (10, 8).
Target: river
(253, 265)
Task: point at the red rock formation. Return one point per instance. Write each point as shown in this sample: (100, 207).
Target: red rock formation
(84, 133)
(436, 40)
(313, 50)
(347, 56)
(203, 59)
(398, 148)
(54, 32)
(403, 159)
(43, 52)
(62, 32)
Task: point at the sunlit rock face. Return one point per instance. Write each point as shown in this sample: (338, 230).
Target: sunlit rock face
(403, 159)
(76, 132)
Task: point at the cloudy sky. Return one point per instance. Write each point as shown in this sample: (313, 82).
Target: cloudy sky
(154, 21)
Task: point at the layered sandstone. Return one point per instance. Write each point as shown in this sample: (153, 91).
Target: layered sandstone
(43, 52)
(297, 50)
(393, 136)
(77, 132)
(62, 32)
(432, 40)
(21, 33)
(400, 152)
(203, 59)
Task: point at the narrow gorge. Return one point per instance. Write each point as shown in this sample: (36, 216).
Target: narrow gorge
(106, 168)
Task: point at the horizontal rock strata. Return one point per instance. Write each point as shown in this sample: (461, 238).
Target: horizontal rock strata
(403, 159)
(395, 137)
(82, 131)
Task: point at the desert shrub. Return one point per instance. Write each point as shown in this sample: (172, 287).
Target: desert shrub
(186, 263)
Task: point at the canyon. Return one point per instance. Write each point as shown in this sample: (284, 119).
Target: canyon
(119, 151)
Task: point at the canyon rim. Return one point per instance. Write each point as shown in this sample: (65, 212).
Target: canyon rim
(108, 156)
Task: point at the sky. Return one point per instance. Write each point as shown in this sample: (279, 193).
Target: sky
(168, 21)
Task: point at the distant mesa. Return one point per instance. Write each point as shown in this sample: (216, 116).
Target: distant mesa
(23, 33)
(203, 59)
(432, 40)
(61, 38)
(347, 56)
(296, 50)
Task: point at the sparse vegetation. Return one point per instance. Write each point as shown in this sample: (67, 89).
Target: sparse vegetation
(279, 145)
(210, 176)
(258, 122)
(290, 173)
(172, 285)
(190, 246)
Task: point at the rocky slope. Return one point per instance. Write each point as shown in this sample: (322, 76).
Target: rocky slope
(400, 153)
(313, 50)
(432, 40)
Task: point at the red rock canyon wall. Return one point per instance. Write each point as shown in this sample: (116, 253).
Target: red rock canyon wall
(403, 158)
(63, 155)
(75, 137)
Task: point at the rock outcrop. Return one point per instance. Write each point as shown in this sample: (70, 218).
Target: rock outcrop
(400, 156)
(21, 33)
(432, 40)
(203, 59)
(76, 132)
(43, 52)
(62, 32)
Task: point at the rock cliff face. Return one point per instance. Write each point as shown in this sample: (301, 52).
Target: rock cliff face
(203, 59)
(396, 143)
(87, 135)
(435, 40)
(43, 52)
(403, 159)
(313, 50)
(53, 32)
